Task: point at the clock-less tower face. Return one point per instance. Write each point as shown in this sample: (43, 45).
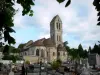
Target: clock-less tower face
(56, 30)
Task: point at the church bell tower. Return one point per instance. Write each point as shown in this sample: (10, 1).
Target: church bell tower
(56, 30)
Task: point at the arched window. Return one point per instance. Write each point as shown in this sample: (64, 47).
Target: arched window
(42, 53)
(37, 52)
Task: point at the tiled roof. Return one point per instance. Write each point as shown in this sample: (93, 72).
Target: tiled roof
(39, 42)
(44, 42)
(48, 42)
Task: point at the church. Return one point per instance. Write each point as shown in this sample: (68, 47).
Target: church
(46, 50)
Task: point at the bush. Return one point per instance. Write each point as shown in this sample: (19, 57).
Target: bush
(59, 61)
(27, 62)
(55, 65)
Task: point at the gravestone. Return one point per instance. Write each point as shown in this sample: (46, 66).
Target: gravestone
(92, 59)
(11, 73)
(85, 71)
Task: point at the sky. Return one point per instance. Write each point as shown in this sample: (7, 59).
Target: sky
(79, 22)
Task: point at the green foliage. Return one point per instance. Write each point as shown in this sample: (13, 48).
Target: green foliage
(27, 62)
(6, 50)
(7, 13)
(9, 49)
(21, 46)
(76, 54)
(66, 46)
(14, 59)
(26, 4)
(96, 3)
(59, 61)
(60, 1)
(67, 4)
(80, 50)
(96, 49)
(55, 65)
(11, 57)
(89, 49)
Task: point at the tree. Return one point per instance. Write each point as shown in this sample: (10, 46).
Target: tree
(66, 46)
(80, 50)
(96, 49)
(89, 49)
(21, 46)
(7, 13)
(67, 4)
(96, 3)
(85, 54)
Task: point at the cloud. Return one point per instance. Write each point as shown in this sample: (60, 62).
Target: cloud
(79, 21)
(44, 35)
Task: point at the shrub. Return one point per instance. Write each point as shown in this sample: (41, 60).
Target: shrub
(55, 65)
(27, 62)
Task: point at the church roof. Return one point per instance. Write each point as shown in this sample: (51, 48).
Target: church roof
(28, 44)
(44, 42)
(48, 42)
(39, 42)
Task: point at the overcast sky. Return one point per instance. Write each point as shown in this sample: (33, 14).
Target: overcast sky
(79, 22)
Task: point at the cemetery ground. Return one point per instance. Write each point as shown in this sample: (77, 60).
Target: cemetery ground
(44, 70)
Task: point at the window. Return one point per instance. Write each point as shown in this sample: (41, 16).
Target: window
(37, 52)
(53, 53)
(47, 54)
(53, 37)
(57, 38)
(42, 53)
(57, 25)
(58, 53)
